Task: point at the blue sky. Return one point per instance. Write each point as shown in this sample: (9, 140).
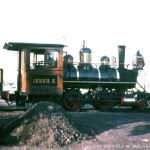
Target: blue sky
(103, 24)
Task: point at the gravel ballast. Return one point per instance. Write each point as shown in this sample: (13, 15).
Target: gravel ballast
(45, 124)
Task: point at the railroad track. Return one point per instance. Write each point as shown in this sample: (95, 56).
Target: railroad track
(117, 110)
(13, 108)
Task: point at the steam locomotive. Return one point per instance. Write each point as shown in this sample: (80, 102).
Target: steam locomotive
(46, 72)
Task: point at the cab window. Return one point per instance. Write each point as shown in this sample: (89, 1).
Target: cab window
(51, 58)
(44, 59)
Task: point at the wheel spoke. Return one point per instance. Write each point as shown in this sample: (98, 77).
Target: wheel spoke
(142, 104)
(72, 100)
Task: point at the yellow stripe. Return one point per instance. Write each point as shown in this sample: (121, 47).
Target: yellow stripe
(100, 82)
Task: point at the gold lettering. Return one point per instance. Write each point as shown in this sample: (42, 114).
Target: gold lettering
(35, 81)
(53, 81)
(47, 81)
(44, 81)
(39, 80)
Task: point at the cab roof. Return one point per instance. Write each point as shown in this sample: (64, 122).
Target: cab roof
(16, 46)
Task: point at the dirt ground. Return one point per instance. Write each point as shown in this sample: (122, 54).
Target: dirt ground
(109, 131)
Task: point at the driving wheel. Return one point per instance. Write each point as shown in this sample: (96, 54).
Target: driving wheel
(72, 100)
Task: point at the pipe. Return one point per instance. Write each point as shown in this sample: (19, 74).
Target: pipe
(121, 52)
(19, 72)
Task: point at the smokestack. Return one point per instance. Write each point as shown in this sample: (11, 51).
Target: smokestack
(121, 52)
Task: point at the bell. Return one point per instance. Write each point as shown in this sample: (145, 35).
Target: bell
(139, 61)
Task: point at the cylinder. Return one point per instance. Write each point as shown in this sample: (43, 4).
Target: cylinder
(121, 52)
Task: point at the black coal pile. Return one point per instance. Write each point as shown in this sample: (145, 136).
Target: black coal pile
(46, 124)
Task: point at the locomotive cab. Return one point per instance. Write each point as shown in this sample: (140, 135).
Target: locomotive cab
(40, 69)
